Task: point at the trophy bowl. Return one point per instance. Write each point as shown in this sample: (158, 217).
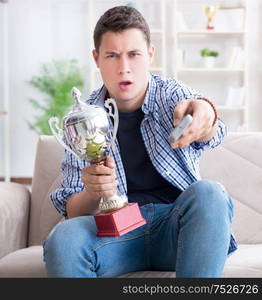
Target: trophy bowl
(88, 134)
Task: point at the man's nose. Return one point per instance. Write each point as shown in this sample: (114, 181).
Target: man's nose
(124, 66)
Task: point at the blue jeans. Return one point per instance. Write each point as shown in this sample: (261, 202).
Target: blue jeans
(190, 236)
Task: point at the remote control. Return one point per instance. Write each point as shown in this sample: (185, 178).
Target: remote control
(180, 128)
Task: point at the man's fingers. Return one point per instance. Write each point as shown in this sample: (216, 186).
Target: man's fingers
(110, 162)
(189, 136)
(96, 188)
(180, 111)
(95, 179)
(186, 139)
(98, 170)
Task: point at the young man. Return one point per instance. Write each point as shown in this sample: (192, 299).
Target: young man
(188, 226)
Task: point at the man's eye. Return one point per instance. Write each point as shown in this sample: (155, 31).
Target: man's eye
(112, 55)
(134, 54)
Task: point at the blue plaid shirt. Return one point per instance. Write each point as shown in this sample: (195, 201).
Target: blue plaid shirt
(179, 166)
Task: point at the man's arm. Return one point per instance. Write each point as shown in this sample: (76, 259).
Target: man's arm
(100, 182)
(83, 203)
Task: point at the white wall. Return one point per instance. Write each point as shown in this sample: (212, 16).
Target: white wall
(42, 30)
(39, 31)
(255, 64)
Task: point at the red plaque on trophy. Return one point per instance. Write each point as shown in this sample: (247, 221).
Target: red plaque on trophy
(120, 221)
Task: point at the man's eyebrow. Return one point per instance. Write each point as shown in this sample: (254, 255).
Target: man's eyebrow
(114, 51)
(111, 52)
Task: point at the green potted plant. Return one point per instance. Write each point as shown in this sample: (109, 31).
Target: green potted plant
(55, 81)
(209, 57)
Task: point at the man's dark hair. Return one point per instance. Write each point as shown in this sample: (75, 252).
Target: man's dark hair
(118, 19)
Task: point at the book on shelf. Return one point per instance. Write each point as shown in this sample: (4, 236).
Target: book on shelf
(180, 21)
(236, 58)
(180, 57)
(235, 97)
(241, 127)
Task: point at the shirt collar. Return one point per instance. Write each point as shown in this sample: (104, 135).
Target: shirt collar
(149, 101)
(99, 95)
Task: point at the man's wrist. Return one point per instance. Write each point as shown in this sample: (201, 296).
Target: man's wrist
(91, 195)
(213, 107)
(210, 135)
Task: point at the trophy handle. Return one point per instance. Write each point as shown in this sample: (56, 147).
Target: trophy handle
(58, 133)
(108, 104)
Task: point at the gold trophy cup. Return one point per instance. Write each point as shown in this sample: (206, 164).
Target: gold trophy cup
(210, 13)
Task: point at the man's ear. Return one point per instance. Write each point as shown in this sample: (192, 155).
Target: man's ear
(95, 56)
(151, 52)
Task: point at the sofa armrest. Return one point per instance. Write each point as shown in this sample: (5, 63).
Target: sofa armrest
(14, 217)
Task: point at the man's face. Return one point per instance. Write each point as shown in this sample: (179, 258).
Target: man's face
(124, 59)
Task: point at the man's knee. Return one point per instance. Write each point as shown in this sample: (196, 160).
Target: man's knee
(69, 234)
(210, 196)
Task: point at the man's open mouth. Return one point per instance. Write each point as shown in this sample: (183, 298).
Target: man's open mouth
(125, 83)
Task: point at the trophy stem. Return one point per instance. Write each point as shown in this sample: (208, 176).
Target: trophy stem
(99, 161)
(210, 25)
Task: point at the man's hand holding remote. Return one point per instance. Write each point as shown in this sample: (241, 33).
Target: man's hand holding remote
(201, 128)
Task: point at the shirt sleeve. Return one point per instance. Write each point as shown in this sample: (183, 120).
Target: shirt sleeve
(215, 140)
(180, 91)
(70, 184)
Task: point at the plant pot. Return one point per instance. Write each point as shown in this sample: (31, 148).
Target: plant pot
(209, 62)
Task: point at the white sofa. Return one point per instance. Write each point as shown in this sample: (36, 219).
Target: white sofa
(27, 217)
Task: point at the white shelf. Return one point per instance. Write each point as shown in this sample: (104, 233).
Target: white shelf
(232, 7)
(210, 32)
(211, 70)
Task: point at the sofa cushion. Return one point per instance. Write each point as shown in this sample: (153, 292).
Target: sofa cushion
(14, 212)
(237, 164)
(43, 215)
(245, 262)
(49, 216)
(26, 262)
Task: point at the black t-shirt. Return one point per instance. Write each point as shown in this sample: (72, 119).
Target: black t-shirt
(144, 183)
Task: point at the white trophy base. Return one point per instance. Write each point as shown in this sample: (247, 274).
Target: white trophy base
(113, 203)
